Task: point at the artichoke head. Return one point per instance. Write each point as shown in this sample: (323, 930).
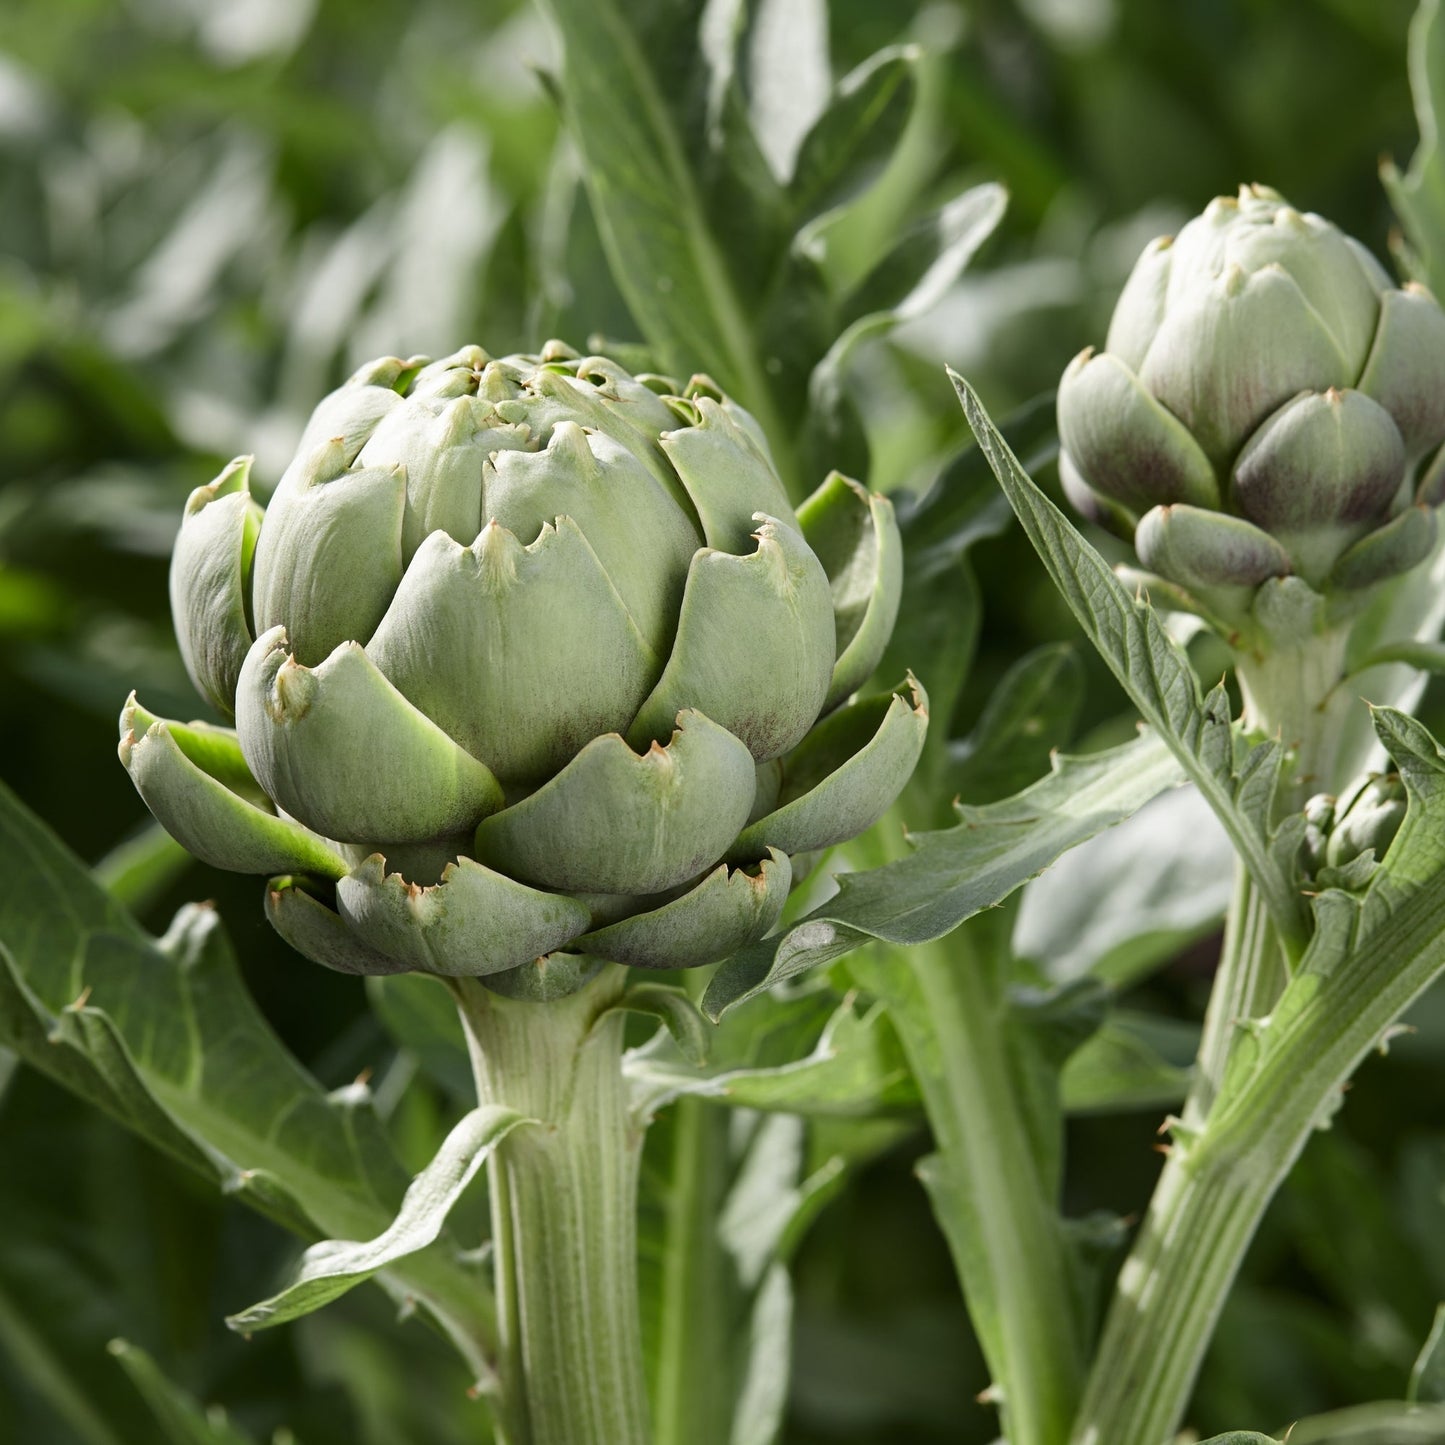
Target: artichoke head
(1268, 408)
(530, 662)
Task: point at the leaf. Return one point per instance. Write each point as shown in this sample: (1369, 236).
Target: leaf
(178, 1414)
(906, 284)
(789, 76)
(330, 1268)
(420, 1013)
(139, 870)
(1154, 670)
(1418, 196)
(87, 998)
(1031, 711)
(940, 611)
(957, 872)
(675, 1011)
(854, 137)
(763, 1397)
(1134, 1061)
(1127, 901)
(644, 191)
(1427, 1376)
(1384, 1423)
(856, 1068)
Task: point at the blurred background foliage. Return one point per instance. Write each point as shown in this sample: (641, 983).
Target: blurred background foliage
(210, 211)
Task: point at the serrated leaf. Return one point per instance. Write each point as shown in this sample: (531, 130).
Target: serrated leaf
(330, 1268)
(1127, 901)
(87, 998)
(644, 191)
(957, 872)
(1154, 670)
(855, 1069)
(675, 1011)
(180, 1416)
(1133, 1061)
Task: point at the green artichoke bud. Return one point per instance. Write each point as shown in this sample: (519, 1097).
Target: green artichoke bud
(529, 659)
(1346, 837)
(1263, 402)
(1366, 818)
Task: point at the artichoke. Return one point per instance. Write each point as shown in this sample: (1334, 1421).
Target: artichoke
(1358, 825)
(1263, 404)
(530, 661)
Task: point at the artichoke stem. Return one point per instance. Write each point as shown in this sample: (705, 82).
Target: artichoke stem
(1292, 692)
(564, 1208)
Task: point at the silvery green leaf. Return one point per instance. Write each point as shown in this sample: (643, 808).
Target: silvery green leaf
(1152, 669)
(954, 873)
(328, 1269)
(855, 1068)
(1383, 1423)
(1133, 1061)
(1128, 900)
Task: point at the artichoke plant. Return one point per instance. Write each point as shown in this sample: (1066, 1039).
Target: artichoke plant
(1268, 408)
(530, 661)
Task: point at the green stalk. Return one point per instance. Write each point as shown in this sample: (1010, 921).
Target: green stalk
(992, 1204)
(1218, 1182)
(564, 1205)
(1251, 976)
(691, 1396)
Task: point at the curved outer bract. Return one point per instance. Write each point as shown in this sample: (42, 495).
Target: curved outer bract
(528, 658)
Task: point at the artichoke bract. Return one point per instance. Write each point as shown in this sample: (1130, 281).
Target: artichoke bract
(1268, 409)
(530, 661)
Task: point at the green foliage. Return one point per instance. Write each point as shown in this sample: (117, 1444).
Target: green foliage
(211, 218)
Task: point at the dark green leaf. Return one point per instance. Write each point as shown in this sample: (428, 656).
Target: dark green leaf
(87, 998)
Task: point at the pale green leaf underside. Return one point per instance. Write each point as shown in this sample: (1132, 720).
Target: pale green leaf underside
(330, 1268)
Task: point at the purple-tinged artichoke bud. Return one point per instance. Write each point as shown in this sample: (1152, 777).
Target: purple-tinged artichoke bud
(528, 658)
(1262, 368)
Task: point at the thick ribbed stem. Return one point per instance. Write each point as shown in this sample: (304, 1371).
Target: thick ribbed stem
(1291, 692)
(1251, 976)
(564, 1207)
(994, 1208)
(1241, 1134)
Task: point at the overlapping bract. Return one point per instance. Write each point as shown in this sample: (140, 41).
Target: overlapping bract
(528, 655)
(1268, 405)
